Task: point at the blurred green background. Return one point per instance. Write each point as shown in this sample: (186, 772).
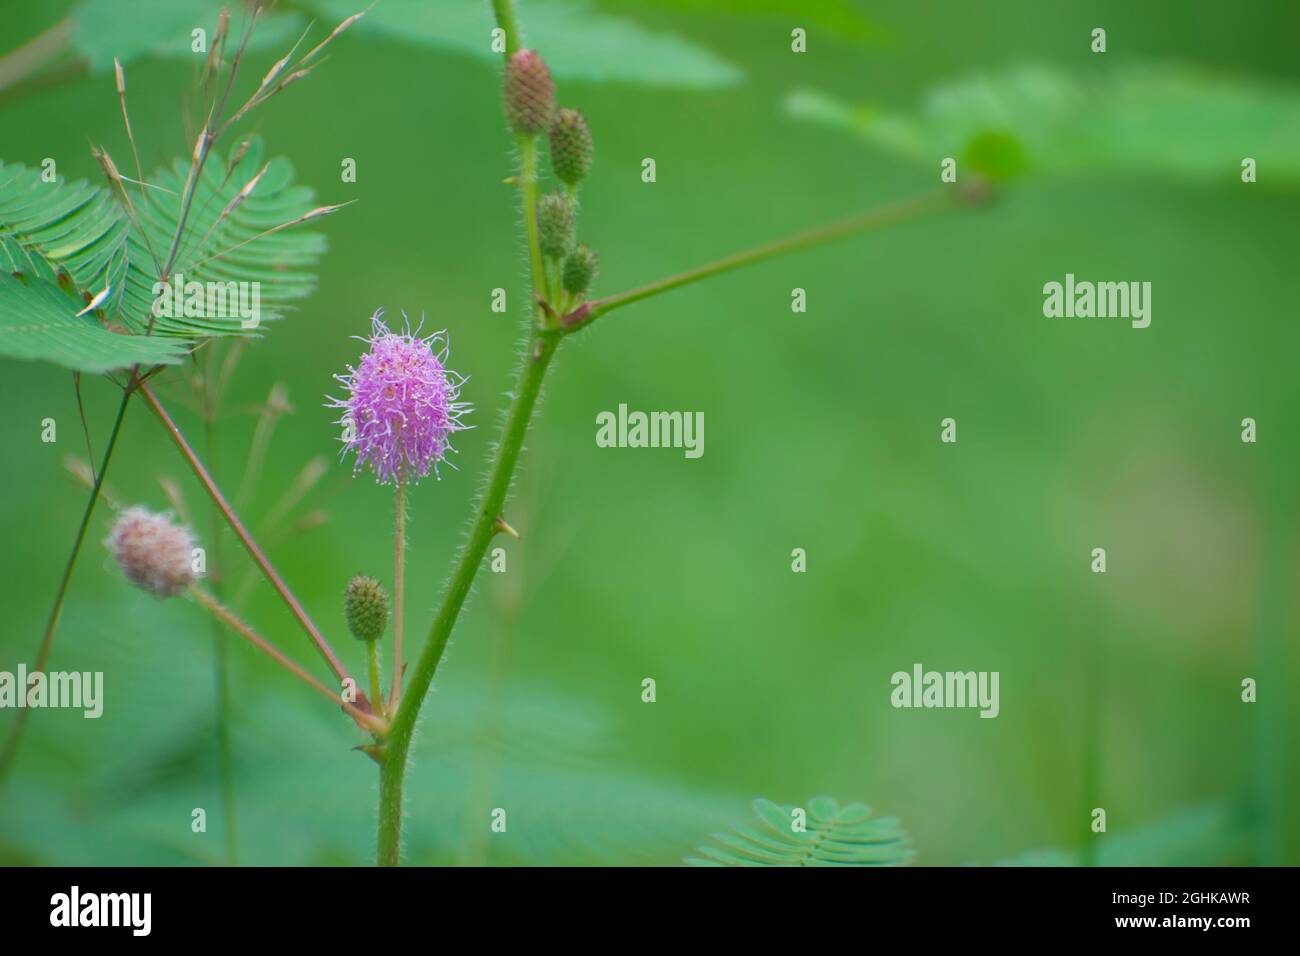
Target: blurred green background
(822, 432)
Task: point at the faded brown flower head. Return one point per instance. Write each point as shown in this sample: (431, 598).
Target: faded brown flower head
(154, 553)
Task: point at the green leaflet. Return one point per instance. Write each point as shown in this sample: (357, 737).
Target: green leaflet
(73, 230)
(76, 238)
(576, 41)
(48, 228)
(38, 321)
(833, 836)
(1158, 120)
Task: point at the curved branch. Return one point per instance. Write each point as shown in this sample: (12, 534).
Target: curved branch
(254, 551)
(886, 215)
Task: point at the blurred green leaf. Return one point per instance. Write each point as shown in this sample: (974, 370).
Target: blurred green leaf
(129, 29)
(836, 16)
(576, 41)
(1159, 120)
(834, 836)
(549, 761)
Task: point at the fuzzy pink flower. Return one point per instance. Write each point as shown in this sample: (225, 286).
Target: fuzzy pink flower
(154, 553)
(401, 407)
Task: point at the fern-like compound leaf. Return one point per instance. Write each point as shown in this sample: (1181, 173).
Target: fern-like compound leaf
(58, 242)
(821, 834)
(221, 246)
(62, 245)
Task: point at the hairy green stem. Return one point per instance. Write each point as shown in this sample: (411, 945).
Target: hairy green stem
(372, 657)
(487, 518)
(393, 770)
(528, 189)
(14, 737)
(504, 10)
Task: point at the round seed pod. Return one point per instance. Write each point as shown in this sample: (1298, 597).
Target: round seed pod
(554, 225)
(570, 146)
(579, 270)
(366, 608)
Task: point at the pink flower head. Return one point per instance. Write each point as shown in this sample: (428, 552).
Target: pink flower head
(401, 406)
(154, 552)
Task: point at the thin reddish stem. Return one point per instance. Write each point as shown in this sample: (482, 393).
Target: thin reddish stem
(899, 211)
(228, 617)
(241, 532)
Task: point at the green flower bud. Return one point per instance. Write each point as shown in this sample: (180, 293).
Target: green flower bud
(579, 269)
(570, 146)
(366, 608)
(554, 225)
(529, 93)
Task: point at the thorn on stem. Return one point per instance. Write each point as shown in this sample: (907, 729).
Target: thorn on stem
(501, 527)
